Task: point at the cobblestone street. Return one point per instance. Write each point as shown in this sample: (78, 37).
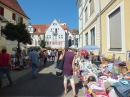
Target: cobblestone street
(47, 84)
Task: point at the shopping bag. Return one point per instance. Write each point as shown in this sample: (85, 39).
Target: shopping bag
(58, 72)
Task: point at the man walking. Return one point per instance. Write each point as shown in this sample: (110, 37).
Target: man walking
(5, 66)
(34, 61)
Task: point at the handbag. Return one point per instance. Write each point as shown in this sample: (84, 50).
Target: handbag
(60, 67)
(58, 72)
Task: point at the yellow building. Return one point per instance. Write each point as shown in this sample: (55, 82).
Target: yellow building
(110, 19)
(10, 11)
(115, 17)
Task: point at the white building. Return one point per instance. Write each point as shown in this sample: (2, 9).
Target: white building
(37, 34)
(55, 34)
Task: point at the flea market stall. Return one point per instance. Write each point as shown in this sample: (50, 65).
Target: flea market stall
(109, 79)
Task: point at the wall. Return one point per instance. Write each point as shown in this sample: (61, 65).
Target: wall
(126, 29)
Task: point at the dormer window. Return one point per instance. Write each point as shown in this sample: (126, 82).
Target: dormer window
(39, 30)
(54, 23)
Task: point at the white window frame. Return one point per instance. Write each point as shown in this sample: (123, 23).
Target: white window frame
(95, 34)
(86, 9)
(90, 14)
(86, 39)
(121, 5)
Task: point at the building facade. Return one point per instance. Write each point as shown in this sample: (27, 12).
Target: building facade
(112, 30)
(10, 11)
(55, 34)
(89, 22)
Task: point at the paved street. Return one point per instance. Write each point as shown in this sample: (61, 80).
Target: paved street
(47, 84)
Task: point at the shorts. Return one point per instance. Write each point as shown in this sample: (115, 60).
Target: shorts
(70, 77)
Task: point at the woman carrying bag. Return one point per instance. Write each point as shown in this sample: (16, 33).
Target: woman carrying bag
(60, 62)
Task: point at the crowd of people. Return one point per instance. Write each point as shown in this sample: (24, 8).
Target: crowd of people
(38, 58)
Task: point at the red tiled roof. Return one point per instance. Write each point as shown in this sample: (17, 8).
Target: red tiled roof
(73, 31)
(14, 5)
(65, 27)
(43, 27)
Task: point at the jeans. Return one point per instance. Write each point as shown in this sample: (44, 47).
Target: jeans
(5, 70)
(123, 90)
(34, 67)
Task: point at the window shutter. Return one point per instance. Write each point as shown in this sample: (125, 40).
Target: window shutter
(13, 16)
(21, 20)
(115, 29)
(91, 6)
(1, 11)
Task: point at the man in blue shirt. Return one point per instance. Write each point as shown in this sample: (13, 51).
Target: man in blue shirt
(33, 55)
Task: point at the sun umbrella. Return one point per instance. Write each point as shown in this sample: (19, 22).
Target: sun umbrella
(73, 47)
(90, 47)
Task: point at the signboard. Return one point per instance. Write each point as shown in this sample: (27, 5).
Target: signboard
(57, 43)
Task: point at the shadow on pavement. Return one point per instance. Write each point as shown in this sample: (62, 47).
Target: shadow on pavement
(46, 84)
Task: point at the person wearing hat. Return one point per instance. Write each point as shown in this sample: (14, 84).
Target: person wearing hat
(5, 66)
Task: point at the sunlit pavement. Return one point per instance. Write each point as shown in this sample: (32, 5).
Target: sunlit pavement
(47, 84)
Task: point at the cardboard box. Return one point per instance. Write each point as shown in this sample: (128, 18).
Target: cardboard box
(127, 64)
(122, 69)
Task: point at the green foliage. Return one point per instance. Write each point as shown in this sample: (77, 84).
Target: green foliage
(37, 48)
(43, 43)
(77, 32)
(17, 32)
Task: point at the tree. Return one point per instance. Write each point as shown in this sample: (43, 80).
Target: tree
(43, 43)
(17, 32)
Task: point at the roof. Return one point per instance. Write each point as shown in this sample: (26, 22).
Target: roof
(43, 27)
(40, 29)
(14, 5)
(73, 31)
(65, 27)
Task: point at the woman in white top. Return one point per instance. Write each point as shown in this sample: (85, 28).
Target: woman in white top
(52, 55)
(49, 55)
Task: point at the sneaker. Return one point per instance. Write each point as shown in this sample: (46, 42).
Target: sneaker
(12, 84)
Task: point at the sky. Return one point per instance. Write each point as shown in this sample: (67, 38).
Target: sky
(45, 11)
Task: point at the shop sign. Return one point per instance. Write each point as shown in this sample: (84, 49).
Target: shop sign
(57, 43)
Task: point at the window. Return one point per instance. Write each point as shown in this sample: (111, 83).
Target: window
(54, 38)
(1, 11)
(91, 6)
(54, 23)
(21, 19)
(61, 36)
(92, 36)
(13, 16)
(55, 30)
(115, 29)
(86, 38)
(86, 14)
